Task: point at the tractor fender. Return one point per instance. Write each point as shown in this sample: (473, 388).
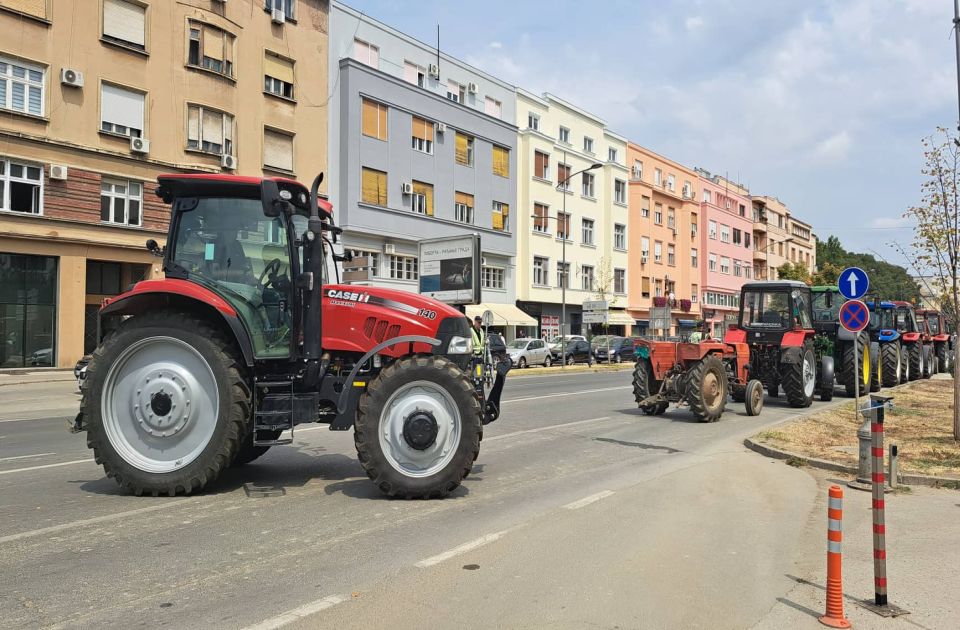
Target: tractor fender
(152, 295)
(910, 337)
(792, 354)
(888, 335)
(794, 339)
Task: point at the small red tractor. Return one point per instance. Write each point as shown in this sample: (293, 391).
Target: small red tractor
(912, 331)
(246, 337)
(937, 334)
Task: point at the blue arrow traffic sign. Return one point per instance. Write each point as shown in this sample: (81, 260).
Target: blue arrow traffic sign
(854, 315)
(853, 283)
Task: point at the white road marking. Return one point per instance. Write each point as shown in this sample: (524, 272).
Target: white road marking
(464, 548)
(58, 414)
(576, 393)
(299, 613)
(547, 428)
(92, 521)
(7, 459)
(593, 498)
(76, 461)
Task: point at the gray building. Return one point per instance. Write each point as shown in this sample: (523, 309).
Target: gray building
(421, 146)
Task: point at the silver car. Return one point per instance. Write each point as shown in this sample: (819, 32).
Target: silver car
(524, 352)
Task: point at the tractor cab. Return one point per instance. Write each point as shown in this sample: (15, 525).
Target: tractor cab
(768, 310)
(826, 308)
(904, 317)
(883, 320)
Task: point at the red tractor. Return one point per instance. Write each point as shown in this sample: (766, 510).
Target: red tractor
(936, 333)
(246, 337)
(918, 351)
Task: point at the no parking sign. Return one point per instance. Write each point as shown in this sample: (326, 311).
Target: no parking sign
(854, 315)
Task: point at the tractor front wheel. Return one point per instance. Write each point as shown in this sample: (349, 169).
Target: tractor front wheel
(915, 368)
(706, 390)
(856, 365)
(418, 428)
(800, 379)
(753, 397)
(943, 362)
(890, 360)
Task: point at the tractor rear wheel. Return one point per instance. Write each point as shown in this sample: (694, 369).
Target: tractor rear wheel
(418, 428)
(166, 403)
(800, 379)
(706, 389)
(916, 361)
(642, 381)
(876, 372)
(929, 366)
(754, 397)
(890, 360)
(943, 362)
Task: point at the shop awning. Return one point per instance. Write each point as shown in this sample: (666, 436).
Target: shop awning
(687, 323)
(619, 318)
(503, 314)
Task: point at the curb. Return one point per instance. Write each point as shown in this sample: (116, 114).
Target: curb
(542, 371)
(823, 464)
(59, 376)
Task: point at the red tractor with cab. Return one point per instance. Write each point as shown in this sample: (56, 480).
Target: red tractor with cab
(936, 333)
(918, 351)
(246, 337)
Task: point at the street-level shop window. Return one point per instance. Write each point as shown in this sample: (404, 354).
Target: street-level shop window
(121, 202)
(121, 111)
(277, 75)
(210, 48)
(124, 23)
(463, 207)
(21, 86)
(492, 278)
(103, 278)
(28, 302)
(403, 267)
(21, 187)
(209, 131)
(501, 216)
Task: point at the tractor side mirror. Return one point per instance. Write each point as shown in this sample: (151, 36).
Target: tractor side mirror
(829, 299)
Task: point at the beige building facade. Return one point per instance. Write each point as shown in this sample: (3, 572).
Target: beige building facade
(779, 237)
(97, 98)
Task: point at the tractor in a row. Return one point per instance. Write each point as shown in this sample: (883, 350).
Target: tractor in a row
(850, 351)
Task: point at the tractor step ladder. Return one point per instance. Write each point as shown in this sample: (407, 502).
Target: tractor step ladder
(278, 415)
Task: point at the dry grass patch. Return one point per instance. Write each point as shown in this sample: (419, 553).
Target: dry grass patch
(921, 423)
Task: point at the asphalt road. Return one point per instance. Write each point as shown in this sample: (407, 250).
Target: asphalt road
(580, 512)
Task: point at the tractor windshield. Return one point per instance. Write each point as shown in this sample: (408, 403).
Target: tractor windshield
(826, 306)
(904, 321)
(230, 246)
(886, 319)
(933, 324)
(766, 309)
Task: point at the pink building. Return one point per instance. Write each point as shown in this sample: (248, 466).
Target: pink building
(726, 261)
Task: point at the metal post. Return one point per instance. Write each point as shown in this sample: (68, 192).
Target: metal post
(893, 464)
(862, 482)
(563, 256)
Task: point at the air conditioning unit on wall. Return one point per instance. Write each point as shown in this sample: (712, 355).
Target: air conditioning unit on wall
(71, 77)
(389, 248)
(406, 188)
(139, 145)
(472, 88)
(277, 16)
(228, 162)
(434, 70)
(58, 171)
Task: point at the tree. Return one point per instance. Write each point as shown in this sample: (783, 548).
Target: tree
(827, 274)
(936, 235)
(887, 281)
(793, 271)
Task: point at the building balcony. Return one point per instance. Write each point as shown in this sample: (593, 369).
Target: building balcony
(760, 226)
(760, 254)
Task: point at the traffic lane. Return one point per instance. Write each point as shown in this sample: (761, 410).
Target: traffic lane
(38, 400)
(47, 435)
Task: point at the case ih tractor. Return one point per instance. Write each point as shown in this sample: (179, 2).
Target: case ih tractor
(246, 337)
(776, 323)
(885, 337)
(912, 346)
(850, 351)
(935, 325)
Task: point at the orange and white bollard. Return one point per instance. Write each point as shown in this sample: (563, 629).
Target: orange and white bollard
(834, 616)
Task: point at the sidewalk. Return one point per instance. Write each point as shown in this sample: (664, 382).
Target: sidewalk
(26, 377)
(923, 561)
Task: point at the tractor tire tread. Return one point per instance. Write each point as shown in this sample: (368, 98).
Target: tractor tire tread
(791, 377)
(888, 358)
(694, 389)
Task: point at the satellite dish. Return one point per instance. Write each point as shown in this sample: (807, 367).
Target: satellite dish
(487, 318)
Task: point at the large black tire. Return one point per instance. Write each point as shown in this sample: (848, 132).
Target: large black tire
(852, 366)
(943, 362)
(800, 379)
(929, 361)
(642, 383)
(916, 360)
(233, 392)
(441, 374)
(890, 360)
(706, 389)
(876, 371)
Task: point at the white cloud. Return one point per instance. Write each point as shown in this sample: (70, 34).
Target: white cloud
(886, 223)
(833, 149)
(496, 45)
(693, 23)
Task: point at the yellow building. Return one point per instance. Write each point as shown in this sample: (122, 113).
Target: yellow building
(98, 97)
(779, 237)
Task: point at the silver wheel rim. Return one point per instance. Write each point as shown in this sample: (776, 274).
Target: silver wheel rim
(423, 396)
(898, 363)
(809, 377)
(148, 440)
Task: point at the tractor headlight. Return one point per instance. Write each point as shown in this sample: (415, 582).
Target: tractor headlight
(460, 345)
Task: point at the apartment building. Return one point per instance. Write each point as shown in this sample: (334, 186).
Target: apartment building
(98, 97)
(779, 237)
(572, 195)
(665, 247)
(727, 246)
(423, 146)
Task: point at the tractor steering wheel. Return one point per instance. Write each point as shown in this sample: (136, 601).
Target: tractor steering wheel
(270, 272)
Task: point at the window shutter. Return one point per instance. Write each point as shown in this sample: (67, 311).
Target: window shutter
(282, 69)
(213, 43)
(645, 285)
(419, 188)
(422, 129)
(462, 157)
(369, 119)
(501, 161)
(193, 123)
(212, 127)
(124, 20)
(505, 209)
(374, 187)
(410, 72)
(464, 198)
(497, 220)
(121, 107)
(539, 164)
(277, 150)
(36, 8)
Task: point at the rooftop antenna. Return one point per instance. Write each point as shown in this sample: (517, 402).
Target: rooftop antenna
(438, 48)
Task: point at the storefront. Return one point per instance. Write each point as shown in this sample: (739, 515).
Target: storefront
(28, 310)
(508, 320)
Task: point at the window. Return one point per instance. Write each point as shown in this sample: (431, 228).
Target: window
(287, 6)
(657, 176)
(563, 275)
(619, 236)
(645, 207)
(586, 231)
(501, 216)
(374, 258)
(619, 191)
(121, 111)
(412, 73)
(645, 287)
(707, 196)
(373, 187)
(210, 48)
(541, 165)
(671, 255)
(671, 182)
(563, 225)
(21, 87)
(694, 292)
(780, 220)
(564, 135)
(21, 187)
(658, 214)
(611, 154)
(366, 53)
(587, 189)
(587, 145)
(492, 107)
(693, 223)
(463, 207)
(123, 23)
(277, 150)
(657, 252)
(422, 135)
(422, 198)
(455, 92)
(644, 246)
(120, 202)
(712, 262)
(209, 131)
(712, 229)
(671, 218)
(103, 278)
(541, 269)
(743, 210)
(464, 152)
(747, 271)
(724, 233)
(501, 161)
(737, 268)
(637, 172)
(687, 190)
(373, 119)
(540, 218)
(563, 177)
(724, 265)
(694, 262)
(533, 121)
(586, 278)
(491, 278)
(746, 239)
(277, 75)
(737, 237)
(619, 280)
(403, 267)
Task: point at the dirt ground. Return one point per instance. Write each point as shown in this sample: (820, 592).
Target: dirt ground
(920, 423)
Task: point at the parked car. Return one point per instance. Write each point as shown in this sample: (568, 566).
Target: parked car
(80, 370)
(578, 351)
(524, 352)
(554, 344)
(621, 349)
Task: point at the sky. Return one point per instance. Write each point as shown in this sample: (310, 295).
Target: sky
(820, 103)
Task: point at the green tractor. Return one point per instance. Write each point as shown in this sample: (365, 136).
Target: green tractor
(850, 351)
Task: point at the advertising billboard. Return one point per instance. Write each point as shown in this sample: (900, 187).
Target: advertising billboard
(450, 269)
